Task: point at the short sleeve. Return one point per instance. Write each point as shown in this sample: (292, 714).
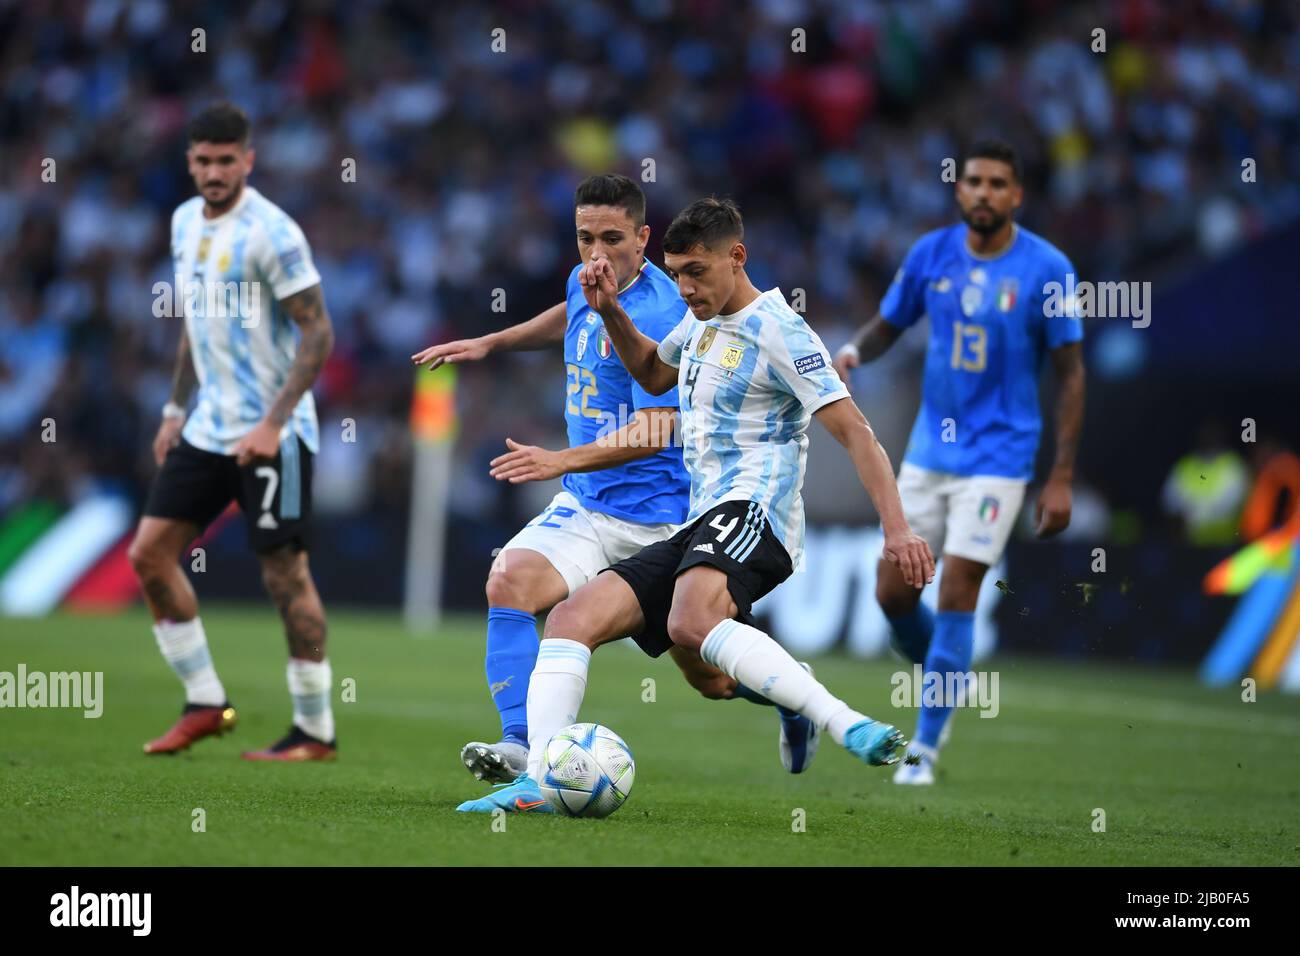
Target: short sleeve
(284, 258)
(670, 349)
(799, 363)
(1061, 326)
(904, 301)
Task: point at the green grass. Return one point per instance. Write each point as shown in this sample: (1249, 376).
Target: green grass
(1186, 775)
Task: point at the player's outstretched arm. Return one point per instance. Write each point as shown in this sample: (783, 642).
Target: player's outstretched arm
(1052, 513)
(542, 331)
(316, 340)
(638, 353)
(844, 420)
(184, 379)
(645, 434)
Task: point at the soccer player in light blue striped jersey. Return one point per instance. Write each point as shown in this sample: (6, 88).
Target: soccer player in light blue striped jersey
(750, 376)
(985, 285)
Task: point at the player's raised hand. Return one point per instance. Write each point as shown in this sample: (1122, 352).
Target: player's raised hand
(452, 353)
(1052, 513)
(599, 284)
(912, 555)
(526, 463)
(169, 435)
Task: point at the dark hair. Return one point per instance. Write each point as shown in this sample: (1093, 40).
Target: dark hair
(997, 149)
(705, 222)
(611, 189)
(220, 123)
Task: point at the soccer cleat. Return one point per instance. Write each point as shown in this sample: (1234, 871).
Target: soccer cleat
(917, 768)
(501, 762)
(799, 737)
(197, 721)
(521, 796)
(295, 747)
(877, 743)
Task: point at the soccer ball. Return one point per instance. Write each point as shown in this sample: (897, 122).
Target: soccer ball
(587, 771)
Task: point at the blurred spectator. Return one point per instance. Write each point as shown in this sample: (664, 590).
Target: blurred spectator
(1206, 489)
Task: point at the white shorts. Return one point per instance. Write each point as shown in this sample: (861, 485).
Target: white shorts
(580, 543)
(970, 516)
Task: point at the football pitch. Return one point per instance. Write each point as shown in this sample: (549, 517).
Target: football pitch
(1185, 775)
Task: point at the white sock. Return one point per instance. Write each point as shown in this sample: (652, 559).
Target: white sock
(554, 694)
(185, 648)
(309, 686)
(760, 663)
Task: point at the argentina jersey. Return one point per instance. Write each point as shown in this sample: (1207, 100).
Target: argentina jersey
(230, 273)
(749, 384)
(601, 397)
(988, 333)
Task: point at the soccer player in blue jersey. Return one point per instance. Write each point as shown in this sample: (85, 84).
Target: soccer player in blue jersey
(971, 453)
(624, 482)
(751, 375)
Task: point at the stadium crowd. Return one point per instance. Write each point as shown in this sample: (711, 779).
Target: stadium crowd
(828, 122)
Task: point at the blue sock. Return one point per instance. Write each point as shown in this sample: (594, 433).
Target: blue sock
(912, 632)
(951, 650)
(511, 655)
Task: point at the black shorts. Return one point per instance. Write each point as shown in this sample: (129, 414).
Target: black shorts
(275, 495)
(734, 537)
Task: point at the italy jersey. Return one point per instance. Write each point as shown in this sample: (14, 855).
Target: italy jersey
(230, 273)
(988, 334)
(749, 385)
(602, 397)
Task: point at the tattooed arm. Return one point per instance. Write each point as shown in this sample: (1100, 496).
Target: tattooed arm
(307, 309)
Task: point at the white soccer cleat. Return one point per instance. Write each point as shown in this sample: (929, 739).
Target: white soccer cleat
(917, 768)
(501, 762)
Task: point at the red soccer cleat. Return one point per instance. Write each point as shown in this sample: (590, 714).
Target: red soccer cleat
(296, 746)
(197, 721)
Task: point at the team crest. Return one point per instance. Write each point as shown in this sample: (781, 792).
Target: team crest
(582, 344)
(731, 357)
(989, 509)
(706, 339)
(1007, 290)
(223, 262)
(602, 344)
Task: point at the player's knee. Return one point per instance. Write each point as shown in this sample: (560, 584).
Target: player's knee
(508, 589)
(568, 621)
(284, 575)
(687, 629)
(147, 559)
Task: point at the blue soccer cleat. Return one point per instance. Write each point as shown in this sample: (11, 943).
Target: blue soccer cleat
(521, 796)
(877, 743)
(799, 737)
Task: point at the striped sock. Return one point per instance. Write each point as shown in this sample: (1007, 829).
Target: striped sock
(754, 659)
(555, 694)
(309, 685)
(185, 648)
